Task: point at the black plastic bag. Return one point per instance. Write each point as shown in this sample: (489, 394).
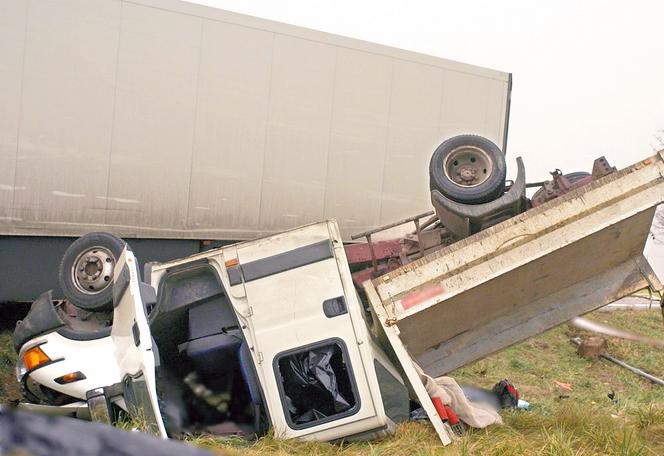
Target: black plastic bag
(313, 383)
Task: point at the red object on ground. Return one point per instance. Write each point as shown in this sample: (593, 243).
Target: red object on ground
(565, 386)
(445, 413)
(440, 408)
(453, 418)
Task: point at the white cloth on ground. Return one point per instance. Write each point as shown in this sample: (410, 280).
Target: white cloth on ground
(474, 414)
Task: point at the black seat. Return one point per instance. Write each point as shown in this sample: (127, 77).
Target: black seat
(214, 336)
(249, 374)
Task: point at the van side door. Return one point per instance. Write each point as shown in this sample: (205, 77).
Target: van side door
(305, 344)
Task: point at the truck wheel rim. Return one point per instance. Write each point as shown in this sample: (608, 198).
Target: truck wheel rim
(93, 270)
(468, 166)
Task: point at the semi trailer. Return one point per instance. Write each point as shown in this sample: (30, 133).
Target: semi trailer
(182, 127)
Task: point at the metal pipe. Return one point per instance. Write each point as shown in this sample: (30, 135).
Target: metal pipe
(427, 224)
(419, 238)
(390, 225)
(374, 262)
(620, 363)
(636, 370)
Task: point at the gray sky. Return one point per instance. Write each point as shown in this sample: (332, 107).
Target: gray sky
(588, 75)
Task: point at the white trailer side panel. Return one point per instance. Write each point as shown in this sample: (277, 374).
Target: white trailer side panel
(157, 74)
(164, 119)
(12, 42)
(231, 125)
(66, 113)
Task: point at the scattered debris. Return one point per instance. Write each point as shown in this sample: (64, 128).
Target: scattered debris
(565, 386)
(475, 405)
(523, 405)
(620, 363)
(636, 370)
(592, 347)
(453, 404)
(507, 393)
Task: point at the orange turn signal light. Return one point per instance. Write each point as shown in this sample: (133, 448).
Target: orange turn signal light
(232, 262)
(70, 378)
(34, 358)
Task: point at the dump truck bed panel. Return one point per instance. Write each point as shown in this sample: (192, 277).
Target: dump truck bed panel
(527, 274)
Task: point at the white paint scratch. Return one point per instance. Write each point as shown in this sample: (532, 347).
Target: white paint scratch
(118, 200)
(9, 188)
(68, 195)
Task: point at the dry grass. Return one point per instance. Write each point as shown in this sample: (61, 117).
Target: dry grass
(571, 429)
(581, 422)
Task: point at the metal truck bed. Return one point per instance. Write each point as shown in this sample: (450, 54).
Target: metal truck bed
(524, 275)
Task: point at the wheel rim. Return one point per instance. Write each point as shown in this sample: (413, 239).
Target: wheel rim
(93, 270)
(468, 166)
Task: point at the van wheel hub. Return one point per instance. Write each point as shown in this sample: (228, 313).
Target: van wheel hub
(468, 166)
(93, 270)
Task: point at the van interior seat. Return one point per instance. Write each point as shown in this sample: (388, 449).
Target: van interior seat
(214, 337)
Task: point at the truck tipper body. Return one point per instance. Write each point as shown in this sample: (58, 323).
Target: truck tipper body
(320, 360)
(180, 126)
(525, 275)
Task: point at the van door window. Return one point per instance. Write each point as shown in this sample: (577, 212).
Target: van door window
(316, 384)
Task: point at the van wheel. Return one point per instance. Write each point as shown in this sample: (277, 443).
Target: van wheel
(468, 169)
(86, 271)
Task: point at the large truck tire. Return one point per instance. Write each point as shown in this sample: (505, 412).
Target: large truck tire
(576, 176)
(572, 178)
(468, 169)
(86, 271)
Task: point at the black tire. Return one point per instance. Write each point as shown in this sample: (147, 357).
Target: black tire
(86, 271)
(479, 170)
(573, 178)
(576, 176)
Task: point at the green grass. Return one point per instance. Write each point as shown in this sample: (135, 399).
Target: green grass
(9, 387)
(647, 293)
(581, 422)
